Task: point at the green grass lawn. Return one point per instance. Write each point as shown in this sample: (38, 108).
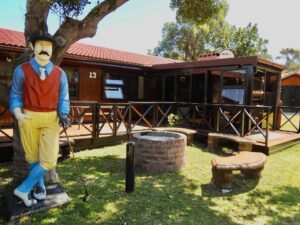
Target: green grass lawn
(184, 197)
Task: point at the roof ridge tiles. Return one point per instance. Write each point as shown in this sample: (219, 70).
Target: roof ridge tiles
(16, 38)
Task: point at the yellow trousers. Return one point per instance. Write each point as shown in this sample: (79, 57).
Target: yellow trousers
(40, 138)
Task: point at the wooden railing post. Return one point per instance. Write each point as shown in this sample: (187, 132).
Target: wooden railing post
(218, 120)
(95, 122)
(175, 108)
(267, 128)
(129, 121)
(243, 122)
(155, 115)
(114, 111)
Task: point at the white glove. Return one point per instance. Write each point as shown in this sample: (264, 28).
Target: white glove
(20, 115)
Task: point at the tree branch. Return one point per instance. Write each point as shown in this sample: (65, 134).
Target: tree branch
(103, 9)
(73, 30)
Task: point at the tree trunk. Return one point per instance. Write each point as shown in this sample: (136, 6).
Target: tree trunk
(20, 166)
(35, 19)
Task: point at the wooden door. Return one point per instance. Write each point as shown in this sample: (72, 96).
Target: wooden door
(90, 84)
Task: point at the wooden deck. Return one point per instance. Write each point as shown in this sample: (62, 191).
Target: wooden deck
(82, 137)
(277, 140)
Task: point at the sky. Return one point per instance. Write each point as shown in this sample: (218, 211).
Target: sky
(137, 25)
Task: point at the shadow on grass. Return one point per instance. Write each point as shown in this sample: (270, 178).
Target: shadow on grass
(168, 198)
(200, 145)
(240, 185)
(225, 148)
(164, 198)
(158, 199)
(5, 182)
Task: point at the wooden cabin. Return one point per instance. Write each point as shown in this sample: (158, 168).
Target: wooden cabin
(92, 70)
(290, 89)
(216, 93)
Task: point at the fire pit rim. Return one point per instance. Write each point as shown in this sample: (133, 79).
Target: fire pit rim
(175, 135)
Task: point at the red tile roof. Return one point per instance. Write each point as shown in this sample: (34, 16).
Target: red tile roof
(11, 37)
(17, 39)
(286, 75)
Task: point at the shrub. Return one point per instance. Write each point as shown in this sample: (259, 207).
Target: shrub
(174, 120)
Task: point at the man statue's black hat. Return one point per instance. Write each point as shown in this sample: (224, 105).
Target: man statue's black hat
(41, 36)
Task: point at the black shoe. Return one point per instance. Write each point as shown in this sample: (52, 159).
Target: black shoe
(39, 193)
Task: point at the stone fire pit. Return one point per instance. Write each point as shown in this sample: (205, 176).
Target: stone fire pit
(159, 151)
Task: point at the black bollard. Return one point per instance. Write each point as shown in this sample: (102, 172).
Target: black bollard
(129, 187)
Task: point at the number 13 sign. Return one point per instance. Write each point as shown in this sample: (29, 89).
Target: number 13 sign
(93, 75)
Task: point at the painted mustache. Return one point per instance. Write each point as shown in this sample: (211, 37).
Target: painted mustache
(44, 53)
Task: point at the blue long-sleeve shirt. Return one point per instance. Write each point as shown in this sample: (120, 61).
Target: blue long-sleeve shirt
(16, 93)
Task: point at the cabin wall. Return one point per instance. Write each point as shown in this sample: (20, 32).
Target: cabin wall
(134, 82)
(291, 81)
(290, 96)
(86, 82)
(185, 85)
(290, 91)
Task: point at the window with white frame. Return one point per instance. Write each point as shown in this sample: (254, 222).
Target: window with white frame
(113, 89)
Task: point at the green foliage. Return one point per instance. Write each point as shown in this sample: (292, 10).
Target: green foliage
(174, 120)
(197, 11)
(291, 56)
(242, 41)
(181, 41)
(186, 41)
(68, 8)
(294, 66)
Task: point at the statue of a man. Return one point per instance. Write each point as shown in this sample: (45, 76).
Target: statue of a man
(39, 99)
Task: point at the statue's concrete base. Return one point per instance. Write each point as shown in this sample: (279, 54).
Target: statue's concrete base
(56, 196)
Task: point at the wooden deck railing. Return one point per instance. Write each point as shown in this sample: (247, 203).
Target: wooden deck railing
(124, 118)
(8, 138)
(109, 119)
(241, 120)
(289, 119)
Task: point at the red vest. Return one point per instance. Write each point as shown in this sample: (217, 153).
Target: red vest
(40, 95)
